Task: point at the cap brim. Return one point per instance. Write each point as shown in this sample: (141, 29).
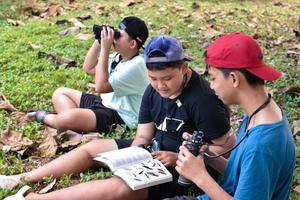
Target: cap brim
(265, 72)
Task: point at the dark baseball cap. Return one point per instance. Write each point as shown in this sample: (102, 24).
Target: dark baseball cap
(136, 28)
(240, 51)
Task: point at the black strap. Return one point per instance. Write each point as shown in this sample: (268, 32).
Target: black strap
(115, 63)
(246, 131)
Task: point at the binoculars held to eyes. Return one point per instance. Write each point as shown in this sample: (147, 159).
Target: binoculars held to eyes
(98, 28)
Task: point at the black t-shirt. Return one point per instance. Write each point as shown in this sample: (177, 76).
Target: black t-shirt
(196, 108)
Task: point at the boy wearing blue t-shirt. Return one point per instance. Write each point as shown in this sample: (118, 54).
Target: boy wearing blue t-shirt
(261, 164)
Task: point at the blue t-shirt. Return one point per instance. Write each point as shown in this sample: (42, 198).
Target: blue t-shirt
(262, 165)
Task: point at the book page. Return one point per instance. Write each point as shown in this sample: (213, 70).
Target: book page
(123, 157)
(144, 174)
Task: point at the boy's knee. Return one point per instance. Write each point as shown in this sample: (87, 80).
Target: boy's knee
(59, 91)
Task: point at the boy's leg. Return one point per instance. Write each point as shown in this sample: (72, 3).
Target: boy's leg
(109, 189)
(64, 99)
(76, 119)
(75, 161)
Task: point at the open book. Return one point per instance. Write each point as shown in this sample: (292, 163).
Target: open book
(136, 167)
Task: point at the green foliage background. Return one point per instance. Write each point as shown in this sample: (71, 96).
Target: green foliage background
(28, 81)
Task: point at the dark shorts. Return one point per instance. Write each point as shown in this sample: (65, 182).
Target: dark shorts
(167, 190)
(105, 117)
(123, 143)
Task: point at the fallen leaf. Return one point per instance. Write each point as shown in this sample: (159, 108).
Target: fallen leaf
(62, 22)
(48, 146)
(77, 5)
(176, 8)
(57, 60)
(70, 31)
(212, 21)
(293, 90)
(165, 29)
(195, 5)
(34, 46)
(15, 22)
(85, 16)
(120, 129)
(19, 118)
(77, 23)
(31, 2)
(83, 36)
(128, 3)
(91, 85)
(47, 188)
(197, 16)
(14, 141)
(51, 131)
(297, 189)
(211, 33)
(74, 138)
(296, 125)
(286, 75)
(5, 104)
(277, 3)
(292, 54)
(297, 46)
(204, 45)
(53, 10)
(97, 8)
(201, 71)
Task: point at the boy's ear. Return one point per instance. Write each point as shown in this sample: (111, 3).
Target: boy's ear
(184, 67)
(133, 44)
(235, 78)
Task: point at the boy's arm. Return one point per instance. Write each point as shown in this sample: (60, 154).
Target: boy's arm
(223, 143)
(193, 168)
(91, 58)
(144, 134)
(102, 84)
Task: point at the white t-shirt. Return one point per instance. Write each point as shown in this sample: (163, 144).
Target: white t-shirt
(129, 80)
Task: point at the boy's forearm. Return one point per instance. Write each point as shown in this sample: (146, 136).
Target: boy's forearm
(102, 84)
(140, 140)
(91, 58)
(211, 187)
(218, 164)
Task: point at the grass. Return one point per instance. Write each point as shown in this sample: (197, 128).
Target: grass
(28, 80)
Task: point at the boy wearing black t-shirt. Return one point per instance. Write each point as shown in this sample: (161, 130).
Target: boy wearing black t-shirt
(177, 100)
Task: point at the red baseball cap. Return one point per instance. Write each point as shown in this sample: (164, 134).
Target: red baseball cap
(239, 51)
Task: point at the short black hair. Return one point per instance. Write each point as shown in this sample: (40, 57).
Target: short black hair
(162, 65)
(251, 78)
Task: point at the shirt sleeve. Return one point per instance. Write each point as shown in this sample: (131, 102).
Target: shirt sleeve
(145, 113)
(130, 78)
(211, 116)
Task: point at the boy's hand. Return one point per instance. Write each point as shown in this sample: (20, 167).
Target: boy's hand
(107, 38)
(167, 158)
(190, 166)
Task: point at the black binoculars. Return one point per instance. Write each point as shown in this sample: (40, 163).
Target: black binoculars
(98, 28)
